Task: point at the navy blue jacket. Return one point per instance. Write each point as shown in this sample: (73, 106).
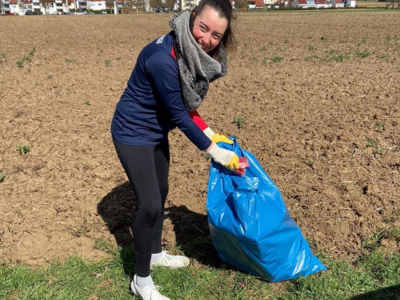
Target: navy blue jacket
(151, 104)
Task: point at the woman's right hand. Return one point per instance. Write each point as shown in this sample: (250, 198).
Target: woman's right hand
(224, 157)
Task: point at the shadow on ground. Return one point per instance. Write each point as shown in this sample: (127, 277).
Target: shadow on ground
(193, 235)
(388, 293)
(118, 211)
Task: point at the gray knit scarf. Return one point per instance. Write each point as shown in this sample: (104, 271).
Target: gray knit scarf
(196, 68)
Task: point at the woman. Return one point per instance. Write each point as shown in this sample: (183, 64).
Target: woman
(166, 87)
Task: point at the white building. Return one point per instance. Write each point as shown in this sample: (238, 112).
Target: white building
(320, 3)
(349, 3)
(96, 5)
(337, 3)
(299, 3)
(11, 6)
(54, 7)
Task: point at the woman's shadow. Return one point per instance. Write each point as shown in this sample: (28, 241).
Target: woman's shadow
(191, 229)
(388, 293)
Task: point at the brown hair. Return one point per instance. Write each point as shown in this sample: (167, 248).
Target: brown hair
(224, 9)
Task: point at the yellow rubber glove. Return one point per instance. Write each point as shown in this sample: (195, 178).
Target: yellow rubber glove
(224, 157)
(215, 137)
(220, 138)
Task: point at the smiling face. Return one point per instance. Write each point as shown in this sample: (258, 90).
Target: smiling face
(209, 28)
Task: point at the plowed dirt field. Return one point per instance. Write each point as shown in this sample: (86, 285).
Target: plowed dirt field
(319, 93)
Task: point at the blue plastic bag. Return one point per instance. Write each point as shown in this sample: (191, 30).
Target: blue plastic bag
(251, 227)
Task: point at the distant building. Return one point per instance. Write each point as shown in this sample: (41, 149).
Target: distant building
(269, 2)
(283, 3)
(337, 3)
(54, 7)
(317, 3)
(183, 5)
(320, 4)
(255, 3)
(96, 5)
(11, 6)
(300, 3)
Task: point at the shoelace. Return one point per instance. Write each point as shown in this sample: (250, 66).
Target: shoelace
(167, 256)
(156, 287)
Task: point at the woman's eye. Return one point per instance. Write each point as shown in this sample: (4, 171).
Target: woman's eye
(217, 37)
(203, 29)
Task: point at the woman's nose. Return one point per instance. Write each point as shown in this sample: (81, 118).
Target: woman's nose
(207, 38)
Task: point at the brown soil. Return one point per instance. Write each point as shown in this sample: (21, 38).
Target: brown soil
(308, 121)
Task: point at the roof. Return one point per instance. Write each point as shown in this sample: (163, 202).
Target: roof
(339, 1)
(320, 2)
(302, 2)
(258, 3)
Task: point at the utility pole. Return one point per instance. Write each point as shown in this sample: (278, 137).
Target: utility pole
(116, 7)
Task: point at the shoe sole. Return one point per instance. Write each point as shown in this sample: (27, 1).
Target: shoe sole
(133, 290)
(170, 267)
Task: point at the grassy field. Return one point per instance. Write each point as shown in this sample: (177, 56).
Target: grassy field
(374, 276)
(371, 4)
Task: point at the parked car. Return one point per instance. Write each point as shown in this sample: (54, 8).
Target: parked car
(162, 10)
(103, 12)
(28, 13)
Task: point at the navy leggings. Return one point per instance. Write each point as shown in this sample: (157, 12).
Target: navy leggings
(147, 169)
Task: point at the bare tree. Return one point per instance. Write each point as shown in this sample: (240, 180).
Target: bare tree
(140, 4)
(109, 5)
(156, 3)
(130, 4)
(170, 4)
(21, 4)
(239, 4)
(45, 4)
(66, 5)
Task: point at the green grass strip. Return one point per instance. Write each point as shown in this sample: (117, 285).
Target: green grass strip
(374, 276)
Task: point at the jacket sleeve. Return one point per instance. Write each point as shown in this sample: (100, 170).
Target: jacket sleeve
(163, 73)
(194, 115)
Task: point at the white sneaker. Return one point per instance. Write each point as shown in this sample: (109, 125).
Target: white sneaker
(171, 261)
(148, 293)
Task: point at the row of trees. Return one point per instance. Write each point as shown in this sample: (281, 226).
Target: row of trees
(132, 4)
(140, 4)
(160, 3)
